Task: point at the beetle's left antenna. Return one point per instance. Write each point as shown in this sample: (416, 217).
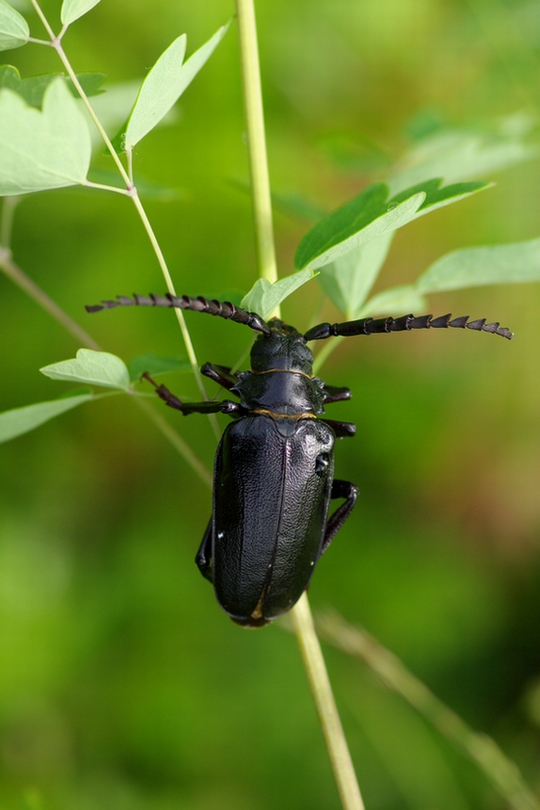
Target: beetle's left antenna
(223, 309)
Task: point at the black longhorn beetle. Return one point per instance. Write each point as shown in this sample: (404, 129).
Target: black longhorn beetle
(274, 466)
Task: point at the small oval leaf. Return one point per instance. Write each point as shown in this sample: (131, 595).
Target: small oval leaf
(21, 420)
(94, 368)
(73, 9)
(14, 31)
(264, 297)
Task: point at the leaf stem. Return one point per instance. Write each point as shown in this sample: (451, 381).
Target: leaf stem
(301, 615)
(133, 194)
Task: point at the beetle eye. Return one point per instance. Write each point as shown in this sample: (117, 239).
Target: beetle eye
(321, 463)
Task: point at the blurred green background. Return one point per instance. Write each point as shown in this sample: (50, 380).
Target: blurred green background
(122, 684)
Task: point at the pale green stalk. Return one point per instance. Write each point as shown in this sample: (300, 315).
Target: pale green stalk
(258, 163)
(503, 774)
(132, 192)
(260, 189)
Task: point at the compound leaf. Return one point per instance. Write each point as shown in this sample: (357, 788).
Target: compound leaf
(42, 150)
(21, 420)
(90, 367)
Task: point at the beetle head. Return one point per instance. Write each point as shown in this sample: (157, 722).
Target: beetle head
(284, 348)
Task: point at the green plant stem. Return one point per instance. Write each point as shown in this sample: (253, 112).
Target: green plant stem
(133, 194)
(258, 163)
(19, 277)
(481, 749)
(13, 272)
(301, 615)
(338, 751)
(325, 352)
(176, 440)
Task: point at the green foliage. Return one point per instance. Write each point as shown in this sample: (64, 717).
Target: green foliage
(21, 420)
(33, 88)
(93, 368)
(73, 9)
(371, 215)
(164, 85)
(349, 278)
(155, 364)
(264, 297)
(42, 150)
(474, 267)
(14, 31)
(100, 614)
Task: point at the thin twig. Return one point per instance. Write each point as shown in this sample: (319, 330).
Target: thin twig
(19, 277)
(503, 774)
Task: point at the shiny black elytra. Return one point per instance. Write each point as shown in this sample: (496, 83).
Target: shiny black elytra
(274, 467)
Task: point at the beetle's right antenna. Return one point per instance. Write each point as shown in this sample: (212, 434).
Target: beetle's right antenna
(370, 326)
(223, 309)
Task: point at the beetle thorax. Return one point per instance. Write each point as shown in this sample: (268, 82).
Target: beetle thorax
(284, 349)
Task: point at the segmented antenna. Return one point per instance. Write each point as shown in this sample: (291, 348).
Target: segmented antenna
(371, 326)
(223, 309)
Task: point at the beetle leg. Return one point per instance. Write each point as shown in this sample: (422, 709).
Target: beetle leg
(342, 430)
(220, 374)
(333, 393)
(226, 406)
(204, 554)
(340, 489)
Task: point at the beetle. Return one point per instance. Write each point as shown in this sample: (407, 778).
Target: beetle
(274, 466)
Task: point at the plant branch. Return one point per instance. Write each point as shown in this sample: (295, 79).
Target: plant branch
(481, 749)
(258, 164)
(19, 277)
(133, 194)
(301, 615)
(336, 743)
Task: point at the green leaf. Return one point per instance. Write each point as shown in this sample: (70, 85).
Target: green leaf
(73, 9)
(33, 88)
(518, 262)
(396, 301)
(42, 150)
(14, 31)
(264, 297)
(460, 155)
(94, 368)
(164, 85)
(21, 420)
(154, 365)
(371, 215)
(348, 280)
